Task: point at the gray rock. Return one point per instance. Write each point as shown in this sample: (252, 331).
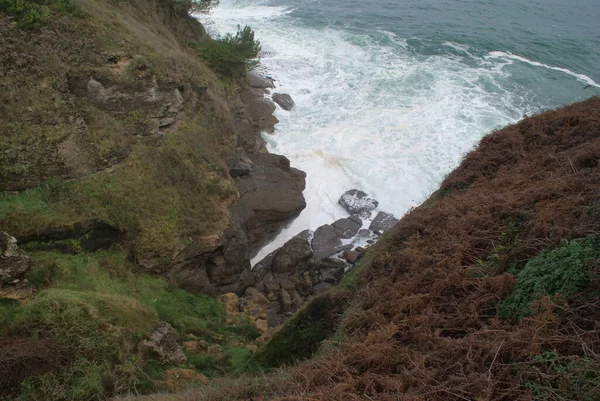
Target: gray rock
(284, 100)
(348, 227)
(240, 164)
(356, 202)
(14, 263)
(382, 222)
(163, 344)
(351, 256)
(321, 288)
(291, 255)
(325, 241)
(258, 81)
(364, 233)
(285, 301)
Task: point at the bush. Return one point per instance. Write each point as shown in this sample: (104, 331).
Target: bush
(34, 13)
(560, 271)
(231, 55)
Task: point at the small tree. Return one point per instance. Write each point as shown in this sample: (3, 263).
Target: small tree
(231, 55)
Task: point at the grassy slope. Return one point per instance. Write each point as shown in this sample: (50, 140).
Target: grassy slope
(487, 291)
(161, 196)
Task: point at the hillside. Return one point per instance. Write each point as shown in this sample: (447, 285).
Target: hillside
(135, 188)
(487, 291)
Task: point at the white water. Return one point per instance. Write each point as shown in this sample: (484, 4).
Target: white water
(368, 116)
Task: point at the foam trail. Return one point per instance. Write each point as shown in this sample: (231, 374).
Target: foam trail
(580, 77)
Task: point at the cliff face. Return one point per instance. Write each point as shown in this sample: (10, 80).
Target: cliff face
(113, 130)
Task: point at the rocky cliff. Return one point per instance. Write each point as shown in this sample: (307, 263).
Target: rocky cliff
(120, 133)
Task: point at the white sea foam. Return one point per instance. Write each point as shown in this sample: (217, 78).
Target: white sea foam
(510, 56)
(378, 118)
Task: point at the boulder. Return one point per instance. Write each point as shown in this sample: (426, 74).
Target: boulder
(383, 222)
(291, 255)
(351, 256)
(356, 202)
(284, 100)
(258, 81)
(348, 227)
(270, 196)
(14, 263)
(239, 164)
(163, 344)
(327, 242)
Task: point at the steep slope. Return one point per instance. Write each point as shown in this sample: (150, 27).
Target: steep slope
(487, 291)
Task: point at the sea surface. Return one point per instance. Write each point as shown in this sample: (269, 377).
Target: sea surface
(391, 94)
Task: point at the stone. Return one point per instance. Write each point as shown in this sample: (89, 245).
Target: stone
(284, 100)
(163, 344)
(383, 222)
(258, 81)
(229, 302)
(351, 256)
(14, 263)
(326, 242)
(364, 233)
(348, 227)
(291, 255)
(285, 301)
(20, 290)
(240, 164)
(261, 325)
(355, 202)
(270, 197)
(360, 249)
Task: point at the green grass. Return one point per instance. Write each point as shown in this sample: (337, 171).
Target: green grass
(96, 308)
(561, 271)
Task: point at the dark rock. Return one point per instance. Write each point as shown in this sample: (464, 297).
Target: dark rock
(364, 233)
(327, 270)
(351, 256)
(270, 197)
(355, 202)
(163, 344)
(291, 255)
(257, 81)
(348, 227)
(360, 249)
(382, 222)
(285, 301)
(240, 164)
(306, 234)
(284, 100)
(259, 110)
(14, 263)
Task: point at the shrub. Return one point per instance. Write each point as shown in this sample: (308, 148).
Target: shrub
(34, 13)
(231, 55)
(560, 271)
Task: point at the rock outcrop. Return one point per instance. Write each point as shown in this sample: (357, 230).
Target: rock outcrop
(284, 101)
(162, 343)
(14, 264)
(356, 202)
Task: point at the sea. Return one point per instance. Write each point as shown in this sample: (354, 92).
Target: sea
(391, 94)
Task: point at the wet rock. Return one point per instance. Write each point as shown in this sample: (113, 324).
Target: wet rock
(355, 202)
(163, 344)
(14, 263)
(270, 196)
(348, 227)
(258, 81)
(360, 249)
(382, 222)
(284, 100)
(351, 256)
(364, 233)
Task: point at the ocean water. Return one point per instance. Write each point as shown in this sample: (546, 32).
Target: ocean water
(390, 95)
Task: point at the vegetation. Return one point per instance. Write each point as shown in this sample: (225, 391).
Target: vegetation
(562, 271)
(231, 55)
(30, 14)
(91, 314)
